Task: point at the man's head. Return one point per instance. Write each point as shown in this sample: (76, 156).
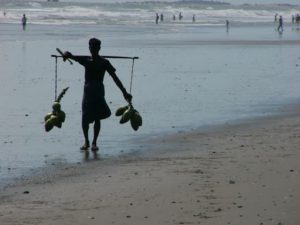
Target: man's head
(94, 45)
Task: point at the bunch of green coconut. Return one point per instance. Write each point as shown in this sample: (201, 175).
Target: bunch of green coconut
(57, 116)
(128, 113)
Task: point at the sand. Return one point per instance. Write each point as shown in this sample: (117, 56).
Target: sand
(246, 173)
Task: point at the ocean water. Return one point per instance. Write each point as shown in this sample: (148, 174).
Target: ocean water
(139, 12)
(188, 75)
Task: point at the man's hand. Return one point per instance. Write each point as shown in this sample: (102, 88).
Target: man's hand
(128, 97)
(67, 55)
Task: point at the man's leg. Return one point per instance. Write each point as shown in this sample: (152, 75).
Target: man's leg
(85, 129)
(97, 127)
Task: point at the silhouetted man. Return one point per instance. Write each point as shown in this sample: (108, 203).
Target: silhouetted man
(94, 106)
(24, 21)
(280, 26)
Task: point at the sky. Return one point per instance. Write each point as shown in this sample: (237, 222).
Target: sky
(295, 2)
(235, 2)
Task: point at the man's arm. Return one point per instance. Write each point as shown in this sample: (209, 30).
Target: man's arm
(80, 59)
(118, 82)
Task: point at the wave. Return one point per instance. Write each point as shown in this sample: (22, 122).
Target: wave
(140, 12)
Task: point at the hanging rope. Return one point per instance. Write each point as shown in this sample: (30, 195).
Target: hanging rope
(55, 80)
(131, 78)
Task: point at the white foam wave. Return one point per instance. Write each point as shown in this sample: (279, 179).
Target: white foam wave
(39, 13)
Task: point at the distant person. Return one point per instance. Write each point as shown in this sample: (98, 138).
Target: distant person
(297, 18)
(4, 13)
(174, 17)
(293, 19)
(280, 25)
(156, 18)
(275, 17)
(24, 21)
(227, 25)
(194, 18)
(94, 106)
(180, 16)
(161, 17)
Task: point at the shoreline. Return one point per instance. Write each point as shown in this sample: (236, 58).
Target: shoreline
(57, 170)
(243, 173)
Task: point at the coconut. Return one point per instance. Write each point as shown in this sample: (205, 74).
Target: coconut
(136, 120)
(61, 116)
(121, 110)
(127, 115)
(47, 117)
(56, 106)
(49, 125)
(55, 121)
(134, 124)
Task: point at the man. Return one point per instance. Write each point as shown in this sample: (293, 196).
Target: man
(94, 106)
(24, 21)
(280, 26)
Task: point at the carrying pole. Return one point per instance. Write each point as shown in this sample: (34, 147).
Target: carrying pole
(104, 56)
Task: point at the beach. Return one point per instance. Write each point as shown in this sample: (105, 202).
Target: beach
(220, 107)
(185, 78)
(245, 173)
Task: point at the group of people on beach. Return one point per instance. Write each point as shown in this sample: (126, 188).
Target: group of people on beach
(180, 17)
(296, 18)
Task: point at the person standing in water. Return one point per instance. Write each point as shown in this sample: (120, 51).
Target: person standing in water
(227, 25)
(180, 16)
(24, 21)
(161, 17)
(280, 26)
(275, 17)
(94, 106)
(156, 18)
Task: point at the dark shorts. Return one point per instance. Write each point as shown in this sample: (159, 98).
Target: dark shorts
(94, 106)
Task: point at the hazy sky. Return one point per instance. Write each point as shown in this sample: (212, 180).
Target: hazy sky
(296, 2)
(234, 2)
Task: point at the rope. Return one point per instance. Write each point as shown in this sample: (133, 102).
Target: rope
(131, 78)
(55, 89)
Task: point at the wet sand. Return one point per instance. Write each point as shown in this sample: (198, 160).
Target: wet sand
(184, 72)
(245, 173)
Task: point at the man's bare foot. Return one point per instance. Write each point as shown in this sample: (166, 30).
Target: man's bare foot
(94, 148)
(85, 147)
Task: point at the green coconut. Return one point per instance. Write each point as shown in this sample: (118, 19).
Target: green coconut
(61, 116)
(49, 125)
(121, 110)
(55, 121)
(136, 120)
(47, 117)
(56, 106)
(127, 115)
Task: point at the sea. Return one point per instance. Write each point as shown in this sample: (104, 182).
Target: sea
(189, 74)
(141, 12)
